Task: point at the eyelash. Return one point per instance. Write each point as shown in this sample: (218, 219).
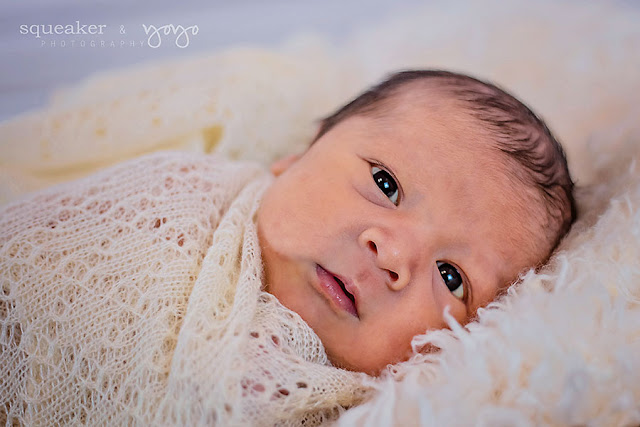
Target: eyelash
(386, 170)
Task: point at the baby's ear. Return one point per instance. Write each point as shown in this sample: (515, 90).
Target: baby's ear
(281, 165)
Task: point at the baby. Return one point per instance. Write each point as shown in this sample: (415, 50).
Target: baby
(432, 190)
(137, 295)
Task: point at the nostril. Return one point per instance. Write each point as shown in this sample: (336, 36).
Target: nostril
(393, 274)
(373, 248)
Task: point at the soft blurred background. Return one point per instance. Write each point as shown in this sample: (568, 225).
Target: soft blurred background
(30, 70)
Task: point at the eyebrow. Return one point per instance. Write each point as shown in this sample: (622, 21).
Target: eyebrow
(486, 276)
(493, 277)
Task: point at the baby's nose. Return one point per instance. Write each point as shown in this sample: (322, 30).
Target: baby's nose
(389, 256)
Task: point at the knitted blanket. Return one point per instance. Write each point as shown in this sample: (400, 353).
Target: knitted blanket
(134, 297)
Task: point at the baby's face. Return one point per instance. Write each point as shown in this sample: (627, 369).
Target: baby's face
(382, 224)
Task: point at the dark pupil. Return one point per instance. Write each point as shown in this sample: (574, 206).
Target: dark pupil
(451, 276)
(385, 182)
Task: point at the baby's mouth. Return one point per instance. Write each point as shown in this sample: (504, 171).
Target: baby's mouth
(346, 292)
(335, 289)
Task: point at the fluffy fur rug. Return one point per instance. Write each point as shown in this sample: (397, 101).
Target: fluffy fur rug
(563, 347)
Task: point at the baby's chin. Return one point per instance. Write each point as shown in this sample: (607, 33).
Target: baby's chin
(363, 361)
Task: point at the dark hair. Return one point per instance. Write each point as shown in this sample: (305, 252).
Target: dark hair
(515, 129)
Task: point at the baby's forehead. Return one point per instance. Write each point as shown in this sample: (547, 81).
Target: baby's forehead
(428, 94)
(427, 109)
(413, 106)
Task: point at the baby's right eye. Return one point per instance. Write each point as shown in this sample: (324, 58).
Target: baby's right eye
(386, 183)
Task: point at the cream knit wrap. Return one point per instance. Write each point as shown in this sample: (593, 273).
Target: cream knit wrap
(134, 297)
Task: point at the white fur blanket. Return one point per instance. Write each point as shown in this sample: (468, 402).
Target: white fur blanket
(563, 347)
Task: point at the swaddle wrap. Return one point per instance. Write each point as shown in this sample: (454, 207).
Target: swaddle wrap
(134, 296)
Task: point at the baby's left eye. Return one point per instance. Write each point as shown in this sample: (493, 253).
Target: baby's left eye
(452, 278)
(386, 183)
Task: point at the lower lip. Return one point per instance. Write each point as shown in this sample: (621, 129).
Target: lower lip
(335, 292)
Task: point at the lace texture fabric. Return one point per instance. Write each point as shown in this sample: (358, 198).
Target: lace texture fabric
(134, 296)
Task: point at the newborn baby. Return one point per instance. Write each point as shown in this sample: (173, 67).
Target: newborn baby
(430, 191)
(185, 289)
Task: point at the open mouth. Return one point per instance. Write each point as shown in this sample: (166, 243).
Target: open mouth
(346, 292)
(336, 290)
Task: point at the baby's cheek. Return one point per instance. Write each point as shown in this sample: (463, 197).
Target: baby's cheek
(443, 301)
(279, 221)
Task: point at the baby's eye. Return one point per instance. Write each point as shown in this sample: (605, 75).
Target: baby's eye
(386, 183)
(452, 279)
